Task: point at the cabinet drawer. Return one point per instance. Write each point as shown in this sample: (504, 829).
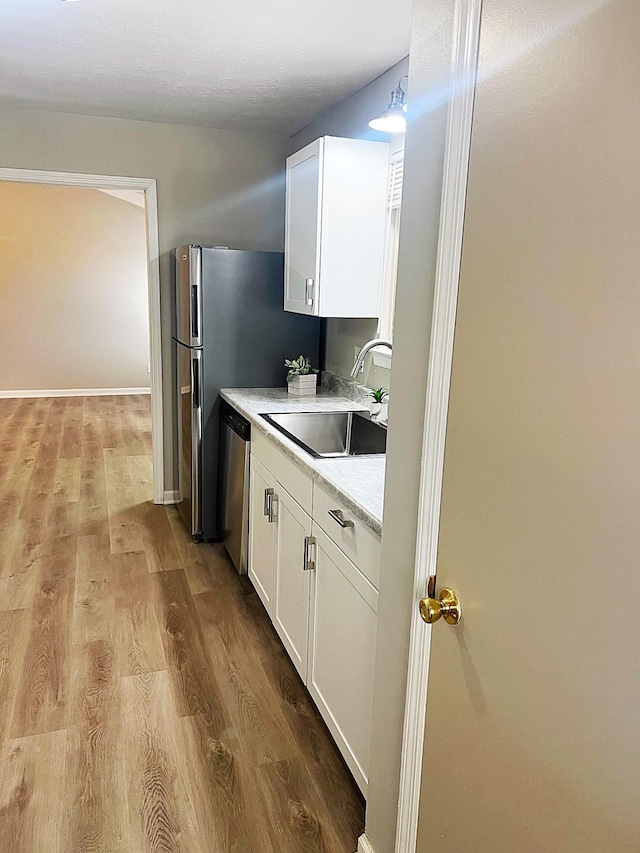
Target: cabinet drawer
(296, 482)
(358, 542)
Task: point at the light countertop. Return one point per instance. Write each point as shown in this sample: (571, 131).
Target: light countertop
(357, 481)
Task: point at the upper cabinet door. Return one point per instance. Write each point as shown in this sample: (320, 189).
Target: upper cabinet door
(335, 227)
(302, 230)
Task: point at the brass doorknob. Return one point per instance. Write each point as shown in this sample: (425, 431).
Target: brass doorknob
(447, 606)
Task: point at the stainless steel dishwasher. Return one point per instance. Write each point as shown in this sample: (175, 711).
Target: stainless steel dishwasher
(235, 433)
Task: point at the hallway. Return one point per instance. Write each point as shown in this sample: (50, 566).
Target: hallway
(146, 704)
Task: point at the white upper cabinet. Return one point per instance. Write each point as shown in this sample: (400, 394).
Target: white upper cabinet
(335, 227)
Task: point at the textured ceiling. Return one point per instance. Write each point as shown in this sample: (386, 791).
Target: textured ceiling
(259, 65)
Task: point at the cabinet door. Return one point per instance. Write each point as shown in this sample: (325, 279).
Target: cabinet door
(291, 600)
(262, 532)
(302, 230)
(342, 651)
(353, 226)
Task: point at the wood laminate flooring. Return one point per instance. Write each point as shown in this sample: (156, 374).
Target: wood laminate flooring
(146, 703)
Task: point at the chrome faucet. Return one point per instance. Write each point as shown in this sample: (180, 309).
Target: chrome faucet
(376, 342)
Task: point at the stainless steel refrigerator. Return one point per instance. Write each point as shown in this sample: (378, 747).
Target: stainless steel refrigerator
(230, 332)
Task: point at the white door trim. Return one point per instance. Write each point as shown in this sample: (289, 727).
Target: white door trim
(364, 845)
(464, 65)
(148, 186)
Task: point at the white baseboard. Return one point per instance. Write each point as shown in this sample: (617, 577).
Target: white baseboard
(364, 845)
(171, 497)
(73, 392)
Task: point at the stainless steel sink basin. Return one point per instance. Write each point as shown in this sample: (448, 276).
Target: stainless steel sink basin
(332, 434)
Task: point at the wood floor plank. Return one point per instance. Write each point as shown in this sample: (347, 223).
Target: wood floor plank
(125, 529)
(93, 544)
(16, 481)
(297, 821)
(158, 538)
(322, 760)
(32, 810)
(20, 547)
(195, 685)
(320, 754)
(71, 445)
(41, 703)
(13, 633)
(141, 473)
(161, 816)
(230, 814)
(94, 611)
(140, 646)
(202, 562)
(17, 591)
(258, 716)
(95, 781)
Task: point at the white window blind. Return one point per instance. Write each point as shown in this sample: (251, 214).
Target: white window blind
(388, 289)
(394, 194)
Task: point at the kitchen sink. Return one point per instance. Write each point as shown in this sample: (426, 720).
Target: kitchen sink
(330, 435)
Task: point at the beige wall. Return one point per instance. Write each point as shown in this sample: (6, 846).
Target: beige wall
(431, 41)
(73, 289)
(213, 186)
(350, 118)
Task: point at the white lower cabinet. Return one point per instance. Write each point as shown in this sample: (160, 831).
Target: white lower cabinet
(291, 600)
(321, 603)
(262, 538)
(342, 641)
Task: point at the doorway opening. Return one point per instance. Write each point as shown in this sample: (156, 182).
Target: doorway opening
(140, 197)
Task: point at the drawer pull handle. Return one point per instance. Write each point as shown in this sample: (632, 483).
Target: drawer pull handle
(307, 563)
(273, 508)
(268, 494)
(337, 515)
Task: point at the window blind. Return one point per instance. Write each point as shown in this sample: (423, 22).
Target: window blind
(394, 194)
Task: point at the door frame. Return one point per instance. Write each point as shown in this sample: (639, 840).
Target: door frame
(464, 64)
(148, 186)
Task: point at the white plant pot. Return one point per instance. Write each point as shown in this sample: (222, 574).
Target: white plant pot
(303, 386)
(379, 412)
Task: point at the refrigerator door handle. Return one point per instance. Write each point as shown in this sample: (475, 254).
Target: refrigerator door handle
(196, 438)
(195, 380)
(195, 320)
(194, 297)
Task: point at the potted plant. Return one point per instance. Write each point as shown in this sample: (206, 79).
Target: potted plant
(380, 403)
(302, 378)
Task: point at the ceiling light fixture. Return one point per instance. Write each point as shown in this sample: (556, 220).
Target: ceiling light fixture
(393, 119)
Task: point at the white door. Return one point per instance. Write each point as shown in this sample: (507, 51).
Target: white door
(262, 532)
(344, 605)
(291, 600)
(532, 740)
(302, 230)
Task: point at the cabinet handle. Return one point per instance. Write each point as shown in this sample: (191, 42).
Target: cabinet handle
(268, 494)
(307, 563)
(309, 286)
(338, 515)
(273, 515)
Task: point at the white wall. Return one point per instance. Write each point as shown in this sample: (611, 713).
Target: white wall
(73, 289)
(351, 118)
(213, 186)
